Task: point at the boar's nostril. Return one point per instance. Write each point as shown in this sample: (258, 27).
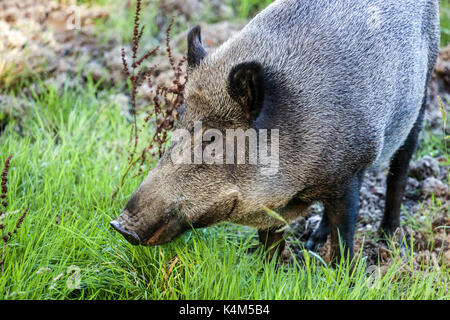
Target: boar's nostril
(130, 236)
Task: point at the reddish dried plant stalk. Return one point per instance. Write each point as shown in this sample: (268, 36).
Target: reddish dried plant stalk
(167, 99)
(6, 236)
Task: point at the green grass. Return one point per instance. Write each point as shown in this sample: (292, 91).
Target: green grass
(445, 22)
(248, 8)
(68, 159)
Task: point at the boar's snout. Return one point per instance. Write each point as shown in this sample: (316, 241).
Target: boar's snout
(130, 236)
(150, 229)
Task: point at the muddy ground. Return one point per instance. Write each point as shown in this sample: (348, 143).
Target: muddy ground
(38, 39)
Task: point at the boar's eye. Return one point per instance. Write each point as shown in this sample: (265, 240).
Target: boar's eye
(211, 136)
(172, 211)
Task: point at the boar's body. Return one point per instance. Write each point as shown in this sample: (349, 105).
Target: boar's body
(343, 81)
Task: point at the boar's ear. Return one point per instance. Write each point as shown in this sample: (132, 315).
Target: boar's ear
(246, 87)
(196, 52)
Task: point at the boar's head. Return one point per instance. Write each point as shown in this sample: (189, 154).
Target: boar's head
(177, 195)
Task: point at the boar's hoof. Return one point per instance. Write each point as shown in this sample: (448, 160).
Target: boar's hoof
(317, 239)
(314, 244)
(394, 239)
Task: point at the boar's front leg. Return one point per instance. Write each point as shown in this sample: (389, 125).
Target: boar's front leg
(341, 214)
(272, 241)
(396, 179)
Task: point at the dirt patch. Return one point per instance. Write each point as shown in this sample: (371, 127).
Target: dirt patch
(40, 38)
(47, 41)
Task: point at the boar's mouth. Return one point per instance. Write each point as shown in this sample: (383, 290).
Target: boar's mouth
(166, 229)
(166, 232)
(162, 232)
(158, 237)
(130, 236)
(177, 225)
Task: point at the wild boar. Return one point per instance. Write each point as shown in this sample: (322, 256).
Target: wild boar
(341, 85)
